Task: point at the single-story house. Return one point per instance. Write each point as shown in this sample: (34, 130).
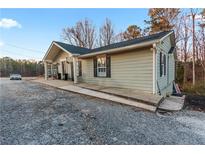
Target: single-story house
(146, 63)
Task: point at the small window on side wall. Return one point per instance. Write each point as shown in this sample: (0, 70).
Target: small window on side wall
(162, 64)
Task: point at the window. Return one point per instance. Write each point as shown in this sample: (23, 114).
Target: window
(101, 66)
(162, 64)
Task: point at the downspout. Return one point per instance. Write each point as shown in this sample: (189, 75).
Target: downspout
(154, 68)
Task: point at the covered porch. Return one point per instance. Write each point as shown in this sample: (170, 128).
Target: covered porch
(60, 64)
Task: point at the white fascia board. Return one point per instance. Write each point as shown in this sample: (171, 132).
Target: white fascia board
(47, 52)
(62, 48)
(165, 36)
(119, 49)
(53, 43)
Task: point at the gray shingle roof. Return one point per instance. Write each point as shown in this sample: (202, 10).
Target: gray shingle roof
(133, 41)
(73, 49)
(79, 50)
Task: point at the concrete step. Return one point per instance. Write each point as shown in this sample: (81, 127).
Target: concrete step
(172, 103)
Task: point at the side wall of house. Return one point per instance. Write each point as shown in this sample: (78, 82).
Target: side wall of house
(128, 70)
(165, 82)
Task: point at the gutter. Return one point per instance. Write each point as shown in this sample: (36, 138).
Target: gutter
(116, 50)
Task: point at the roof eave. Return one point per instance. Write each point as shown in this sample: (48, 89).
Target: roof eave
(130, 47)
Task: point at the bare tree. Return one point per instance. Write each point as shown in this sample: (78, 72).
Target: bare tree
(119, 37)
(82, 34)
(184, 36)
(193, 15)
(106, 33)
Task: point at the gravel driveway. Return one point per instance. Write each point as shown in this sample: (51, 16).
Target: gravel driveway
(31, 113)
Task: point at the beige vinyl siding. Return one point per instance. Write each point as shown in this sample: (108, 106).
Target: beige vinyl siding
(128, 70)
(165, 82)
(62, 56)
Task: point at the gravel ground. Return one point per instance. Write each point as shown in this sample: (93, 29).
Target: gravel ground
(31, 113)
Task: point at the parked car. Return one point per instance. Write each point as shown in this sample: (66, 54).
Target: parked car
(15, 77)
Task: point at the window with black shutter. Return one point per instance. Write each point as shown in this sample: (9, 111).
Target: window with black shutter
(95, 67)
(165, 65)
(108, 66)
(80, 68)
(102, 66)
(162, 64)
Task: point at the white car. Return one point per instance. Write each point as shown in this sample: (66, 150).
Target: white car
(15, 77)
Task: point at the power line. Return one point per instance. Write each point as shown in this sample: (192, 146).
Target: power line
(14, 53)
(23, 48)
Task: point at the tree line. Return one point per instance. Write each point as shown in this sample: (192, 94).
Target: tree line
(188, 25)
(26, 68)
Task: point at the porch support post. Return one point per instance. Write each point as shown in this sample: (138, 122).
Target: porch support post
(46, 70)
(52, 70)
(61, 65)
(75, 69)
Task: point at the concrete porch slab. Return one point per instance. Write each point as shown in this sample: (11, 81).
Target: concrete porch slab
(172, 103)
(112, 94)
(126, 93)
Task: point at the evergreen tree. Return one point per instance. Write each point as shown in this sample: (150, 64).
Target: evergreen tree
(162, 19)
(133, 31)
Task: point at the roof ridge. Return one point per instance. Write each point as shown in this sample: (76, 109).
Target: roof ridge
(144, 37)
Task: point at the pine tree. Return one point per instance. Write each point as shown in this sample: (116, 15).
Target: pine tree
(133, 31)
(162, 19)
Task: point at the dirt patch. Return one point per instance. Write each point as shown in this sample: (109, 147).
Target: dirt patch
(195, 102)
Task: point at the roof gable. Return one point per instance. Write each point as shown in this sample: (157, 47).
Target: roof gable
(72, 49)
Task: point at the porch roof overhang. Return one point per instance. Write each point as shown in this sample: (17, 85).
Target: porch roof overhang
(54, 50)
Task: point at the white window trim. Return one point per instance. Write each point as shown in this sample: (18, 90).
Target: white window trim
(101, 74)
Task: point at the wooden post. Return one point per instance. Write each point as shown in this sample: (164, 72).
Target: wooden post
(52, 71)
(75, 70)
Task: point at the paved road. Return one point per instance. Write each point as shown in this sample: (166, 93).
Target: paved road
(31, 113)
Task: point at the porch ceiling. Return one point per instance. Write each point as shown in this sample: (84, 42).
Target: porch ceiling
(53, 53)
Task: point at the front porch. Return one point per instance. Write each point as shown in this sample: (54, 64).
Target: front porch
(120, 95)
(60, 64)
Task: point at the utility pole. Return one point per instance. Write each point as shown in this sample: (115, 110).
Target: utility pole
(193, 45)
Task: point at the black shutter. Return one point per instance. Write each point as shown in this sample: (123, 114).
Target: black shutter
(72, 74)
(160, 64)
(165, 65)
(95, 66)
(80, 68)
(108, 66)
